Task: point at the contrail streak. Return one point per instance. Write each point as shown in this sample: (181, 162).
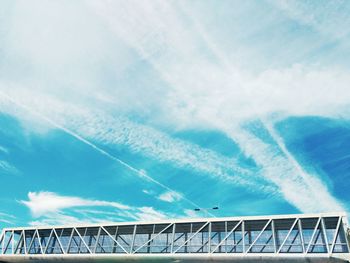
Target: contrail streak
(140, 173)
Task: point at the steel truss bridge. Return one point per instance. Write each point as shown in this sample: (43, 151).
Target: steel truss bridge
(287, 238)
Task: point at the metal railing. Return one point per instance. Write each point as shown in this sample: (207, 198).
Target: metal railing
(301, 234)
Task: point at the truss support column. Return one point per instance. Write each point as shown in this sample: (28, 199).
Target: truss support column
(324, 232)
(133, 239)
(273, 229)
(346, 234)
(97, 239)
(13, 242)
(1, 242)
(243, 236)
(226, 236)
(172, 239)
(300, 227)
(209, 237)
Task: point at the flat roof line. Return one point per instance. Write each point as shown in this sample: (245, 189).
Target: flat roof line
(187, 220)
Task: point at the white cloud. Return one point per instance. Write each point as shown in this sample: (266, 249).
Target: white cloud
(55, 219)
(93, 126)
(41, 203)
(7, 218)
(3, 149)
(6, 167)
(203, 92)
(217, 95)
(48, 208)
(301, 189)
(328, 19)
(148, 192)
(149, 214)
(191, 213)
(170, 197)
(201, 86)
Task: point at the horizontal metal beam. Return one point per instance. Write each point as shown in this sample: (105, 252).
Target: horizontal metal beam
(194, 236)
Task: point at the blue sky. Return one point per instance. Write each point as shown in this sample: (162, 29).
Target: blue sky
(128, 110)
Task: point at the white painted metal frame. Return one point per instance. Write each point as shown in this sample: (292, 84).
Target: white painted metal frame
(45, 240)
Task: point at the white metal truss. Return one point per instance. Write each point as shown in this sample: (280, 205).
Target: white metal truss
(302, 234)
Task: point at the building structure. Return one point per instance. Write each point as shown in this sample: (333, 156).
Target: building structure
(287, 238)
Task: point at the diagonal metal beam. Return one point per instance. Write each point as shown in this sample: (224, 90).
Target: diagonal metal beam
(266, 243)
(59, 241)
(300, 228)
(292, 243)
(335, 235)
(13, 241)
(70, 241)
(206, 242)
(344, 228)
(82, 241)
(24, 242)
(97, 239)
(225, 238)
(31, 242)
(48, 241)
(288, 234)
(262, 231)
(190, 238)
(274, 236)
(114, 240)
(75, 242)
(122, 239)
(133, 238)
(209, 237)
(323, 227)
(1, 241)
(243, 236)
(148, 241)
(20, 243)
(8, 242)
(173, 239)
(313, 235)
(39, 241)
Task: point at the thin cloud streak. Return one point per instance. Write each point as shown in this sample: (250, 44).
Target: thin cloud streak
(113, 132)
(205, 92)
(52, 208)
(7, 168)
(263, 95)
(7, 218)
(140, 173)
(298, 187)
(4, 150)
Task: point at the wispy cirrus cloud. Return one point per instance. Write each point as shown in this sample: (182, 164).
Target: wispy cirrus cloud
(104, 129)
(4, 150)
(327, 18)
(169, 197)
(201, 89)
(41, 203)
(5, 166)
(55, 209)
(201, 86)
(279, 166)
(7, 218)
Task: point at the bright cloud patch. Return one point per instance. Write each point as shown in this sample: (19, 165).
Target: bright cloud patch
(41, 203)
(170, 197)
(52, 208)
(137, 95)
